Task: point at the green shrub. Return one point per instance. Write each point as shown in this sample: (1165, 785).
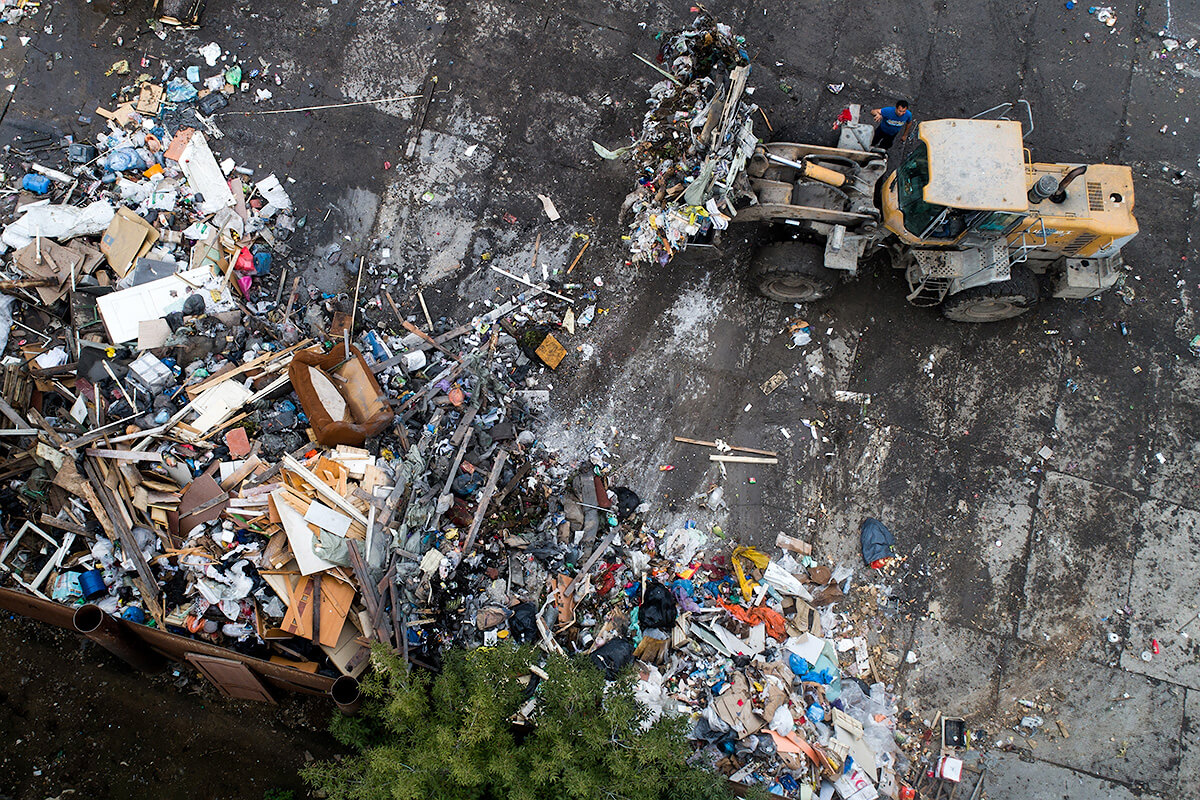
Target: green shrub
(427, 737)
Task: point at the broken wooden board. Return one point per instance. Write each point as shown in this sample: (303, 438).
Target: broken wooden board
(335, 600)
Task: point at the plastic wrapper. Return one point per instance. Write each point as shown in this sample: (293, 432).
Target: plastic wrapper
(57, 222)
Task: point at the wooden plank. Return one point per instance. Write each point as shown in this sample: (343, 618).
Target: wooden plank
(148, 587)
(123, 455)
(703, 443)
(231, 678)
(592, 559)
(238, 475)
(13, 414)
(485, 500)
(194, 391)
(743, 459)
(323, 489)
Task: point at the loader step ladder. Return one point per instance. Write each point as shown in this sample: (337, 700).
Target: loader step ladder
(1030, 240)
(931, 276)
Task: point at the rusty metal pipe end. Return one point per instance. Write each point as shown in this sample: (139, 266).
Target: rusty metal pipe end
(347, 694)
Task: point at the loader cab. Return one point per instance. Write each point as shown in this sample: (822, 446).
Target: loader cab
(963, 182)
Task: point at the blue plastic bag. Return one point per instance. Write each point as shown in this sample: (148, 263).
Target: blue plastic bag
(123, 159)
(180, 91)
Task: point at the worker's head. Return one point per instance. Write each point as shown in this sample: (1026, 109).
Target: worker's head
(901, 104)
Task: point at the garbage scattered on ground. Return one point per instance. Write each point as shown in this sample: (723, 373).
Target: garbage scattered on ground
(195, 443)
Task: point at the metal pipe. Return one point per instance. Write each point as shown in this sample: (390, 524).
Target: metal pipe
(1060, 196)
(96, 625)
(346, 694)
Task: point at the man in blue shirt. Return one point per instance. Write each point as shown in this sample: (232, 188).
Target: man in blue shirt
(891, 121)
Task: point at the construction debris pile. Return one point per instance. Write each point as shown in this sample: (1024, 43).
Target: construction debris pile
(695, 141)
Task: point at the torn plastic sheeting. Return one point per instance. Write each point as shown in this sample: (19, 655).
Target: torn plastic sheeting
(755, 557)
(6, 319)
(820, 655)
(613, 657)
(57, 222)
(774, 621)
(657, 611)
(878, 544)
(277, 198)
(784, 582)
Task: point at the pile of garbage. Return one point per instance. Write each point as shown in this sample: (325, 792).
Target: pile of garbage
(695, 141)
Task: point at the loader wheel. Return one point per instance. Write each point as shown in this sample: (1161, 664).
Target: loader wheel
(792, 272)
(995, 301)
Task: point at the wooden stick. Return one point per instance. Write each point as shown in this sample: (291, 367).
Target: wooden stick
(287, 312)
(521, 280)
(425, 309)
(357, 284)
(703, 443)
(99, 433)
(744, 459)
(579, 255)
(27, 283)
(485, 499)
(408, 326)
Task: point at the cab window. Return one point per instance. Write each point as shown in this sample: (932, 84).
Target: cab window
(997, 221)
(911, 179)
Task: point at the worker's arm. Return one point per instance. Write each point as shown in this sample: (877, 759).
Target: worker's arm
(907, 129)
(877, 113)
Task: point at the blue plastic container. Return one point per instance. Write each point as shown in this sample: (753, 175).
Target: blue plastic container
(33, 182)
(91, 583)
(134, 614)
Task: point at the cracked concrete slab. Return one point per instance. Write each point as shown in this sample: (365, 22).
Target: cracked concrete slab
(1174, 477)
(957, 671)
(1189, 748)
(1079, 564)
(1113, 720)
(982, 523)
(1011, 776)
(1103, 424)
(1163, 592)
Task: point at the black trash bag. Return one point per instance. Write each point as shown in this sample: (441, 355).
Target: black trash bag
(878, 544)
(523, 623)
(702, 729)
(613, 657)
(658, 610)
(627, 502)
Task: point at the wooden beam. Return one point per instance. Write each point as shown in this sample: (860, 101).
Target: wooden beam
(703, 443)
(485, 499)
(323, 488)
(123, 455)
(743, 459)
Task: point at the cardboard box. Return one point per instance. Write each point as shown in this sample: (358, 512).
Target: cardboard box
(128, 238)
